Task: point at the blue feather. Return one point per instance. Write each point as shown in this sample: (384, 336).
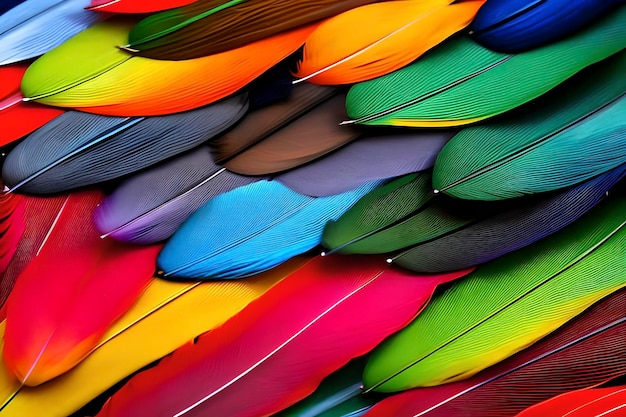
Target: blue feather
(520, 25)
(250, 230)
(34, 27)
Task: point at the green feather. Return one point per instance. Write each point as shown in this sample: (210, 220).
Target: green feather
(574, 133)
(506, 305)
(461, 82)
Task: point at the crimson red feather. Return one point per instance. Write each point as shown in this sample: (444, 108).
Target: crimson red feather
(582, 403)
(278, 349)
(70, 293)
(12, 224)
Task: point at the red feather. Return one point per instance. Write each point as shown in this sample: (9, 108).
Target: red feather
(12, 226)
(595, 402)
(135, 6)
(19, 118)
(70, 293)
(278, 349)
(586, 351)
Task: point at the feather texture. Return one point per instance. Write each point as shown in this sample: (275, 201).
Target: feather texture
(586, 351)
(135, 6)
(90, 74)
(209, 27)
(148, 331)
(17, 118)
(79, 149)
(262, 123)
(366, 159)
(539, 148)
(281, 364)
(522, 224)
(37, 26)
(519, 25)
(151, 205)
(506, 305)
(12, 225)
(582, 403)
(61, 305)
(306, 138)
(446, 87)
(359, 55)
(273, 224)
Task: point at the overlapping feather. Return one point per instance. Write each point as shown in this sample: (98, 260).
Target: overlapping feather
(79, 149)
(151, 329)
(273, 224)
(539, 148)
(584, 352)
(507, 304)
(461, 82)
(12, 225)
(582, 403)
(70, 293)
(37, 26)
(90, 74)
(282, 345)
(359, 55)
(135, 6)
(208, 27)
(149, 206)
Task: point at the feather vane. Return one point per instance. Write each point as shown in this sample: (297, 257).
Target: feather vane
(135, 6)
(581, 403)
(12, 225)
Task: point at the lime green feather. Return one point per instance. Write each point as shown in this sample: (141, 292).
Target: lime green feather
(506, 304)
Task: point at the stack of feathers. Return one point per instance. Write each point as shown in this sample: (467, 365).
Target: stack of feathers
(246, 208)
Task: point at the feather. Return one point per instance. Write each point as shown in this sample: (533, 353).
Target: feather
(359, 55)
(209, 27)
(12, 225)
(151, 329)
(447, 86)
(135, 6)
(317, 334)
(338, 395)
(306, 138)
(508, 304)
(273, 224)
(7, 5)
(62, 304)
(17, 118)
(539, 148)
(519, 25)
(522, 224)
(149, 206)
(582, 403)
(89, 74)
(37, 26)
(366, 159)
(261, 123)
(586, 351)
(79, 149)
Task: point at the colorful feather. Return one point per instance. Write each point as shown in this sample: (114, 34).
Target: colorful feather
(586, 351)
(12, 225)
(250, 353)
(366, 159)
(70, 293)
(539, 148)
(135, 6)
(90, 74)
(209, 27)
(17, 118)
(520, 25)
(461, 82)
(508, 304)
(359, 55)
(149, 206)
(273, 224)
(79, 149)
(37, 26)
(151, 329)
(305, 139)
(582, 403)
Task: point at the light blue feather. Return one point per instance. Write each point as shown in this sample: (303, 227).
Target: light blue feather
(34, 27)
(251, 229)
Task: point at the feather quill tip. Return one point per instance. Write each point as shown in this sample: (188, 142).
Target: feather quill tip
(101, 5)
(347, 122)
(323, 254)
(435, 191)
(389, 260)
(127, 48)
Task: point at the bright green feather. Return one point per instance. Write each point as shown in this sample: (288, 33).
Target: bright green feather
(461, 82)
(572, 134)
(506, 304)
